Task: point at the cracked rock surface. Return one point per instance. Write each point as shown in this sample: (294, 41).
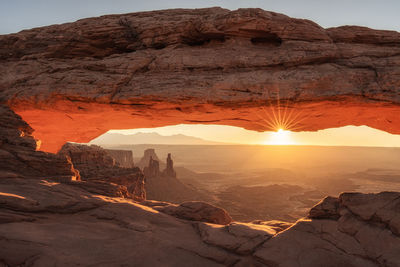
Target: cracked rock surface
(46, 223)
(75, 81)
(354, 229)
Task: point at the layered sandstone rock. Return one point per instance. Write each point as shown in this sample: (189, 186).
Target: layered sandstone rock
(148, 154)
(352, 230)
(169, 169)
(197, 211)
(164, 185)
(152, 171)
(123, 157)
(96, 164)
(75, 81)
(46, 223)
(18, 155)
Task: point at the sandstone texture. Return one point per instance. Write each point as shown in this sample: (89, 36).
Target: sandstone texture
(47, 223)
(164, 185)
(75, 81)
(149, 154)
(352, 230)
(197, 211)
(123, 157)
(96, 164)
(18, 155)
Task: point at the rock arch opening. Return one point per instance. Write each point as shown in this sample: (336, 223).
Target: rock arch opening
(257, 181)
(76, 81)
(81, 121)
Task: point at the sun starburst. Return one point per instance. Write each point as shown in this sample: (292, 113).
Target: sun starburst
(276, 116)
(281, 119)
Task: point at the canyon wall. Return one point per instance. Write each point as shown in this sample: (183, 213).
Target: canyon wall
(123, 157)
(96, 164)
(162, 183)
(18, 155)
(75, 81)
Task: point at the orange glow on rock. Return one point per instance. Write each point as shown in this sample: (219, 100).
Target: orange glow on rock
(61, 121)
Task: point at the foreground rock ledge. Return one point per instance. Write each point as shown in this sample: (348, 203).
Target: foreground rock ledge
(45, 223)
(75, 81)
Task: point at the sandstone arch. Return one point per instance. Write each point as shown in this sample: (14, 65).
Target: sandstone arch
(75, 81)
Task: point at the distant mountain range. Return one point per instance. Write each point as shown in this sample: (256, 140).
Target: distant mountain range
(151, 138)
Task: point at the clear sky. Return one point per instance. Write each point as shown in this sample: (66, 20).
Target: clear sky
(16, 15)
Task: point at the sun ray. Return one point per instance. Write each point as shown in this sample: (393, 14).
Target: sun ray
(280, 116)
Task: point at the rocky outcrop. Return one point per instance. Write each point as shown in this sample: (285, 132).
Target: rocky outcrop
(152, 171)
(44, 222)
(151, 165)
(164, 185)
(276, 225)
(75, 81)
(96, 164)
(352, 230)
(169, 169)
(123, 157)
(196, 211)
(148, 154)
(18, 155)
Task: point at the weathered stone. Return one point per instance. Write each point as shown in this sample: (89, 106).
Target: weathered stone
(96, 164)
(18, 155)
(123, 157)
(275, 225)
(152, 171)
(148, 154)
(164, 185)
(352, 230)
(75, 81)
(241, 238)
(326, 209)
(197, 211)
(45, 222)
(169, 170)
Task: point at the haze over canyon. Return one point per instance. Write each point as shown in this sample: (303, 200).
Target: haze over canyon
(71, 196)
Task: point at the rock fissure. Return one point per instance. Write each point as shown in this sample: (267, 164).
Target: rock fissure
(295, 59)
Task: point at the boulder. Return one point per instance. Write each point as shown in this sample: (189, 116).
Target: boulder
(354, 229)
(197, 211)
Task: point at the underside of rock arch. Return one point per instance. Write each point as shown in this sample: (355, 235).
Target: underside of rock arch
(75, 81)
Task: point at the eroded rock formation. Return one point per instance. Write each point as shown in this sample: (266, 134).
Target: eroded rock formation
(352, 230)
(152, 171)
(169, 169)
(96, 164)
(147, 154)
(18, 155)
(123, 157)
(75, 81)
(164, 185)
(196, 211)
(57, 217)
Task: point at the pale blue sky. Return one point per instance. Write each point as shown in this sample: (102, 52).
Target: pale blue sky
(16, 15)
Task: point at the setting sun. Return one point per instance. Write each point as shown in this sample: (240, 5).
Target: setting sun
(280, 137)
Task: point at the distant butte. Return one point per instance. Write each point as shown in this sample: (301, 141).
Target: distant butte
(75, 81)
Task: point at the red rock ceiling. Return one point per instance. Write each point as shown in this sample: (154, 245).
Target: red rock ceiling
(75, 81)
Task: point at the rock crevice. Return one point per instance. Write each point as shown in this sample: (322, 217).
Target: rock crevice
(212, 65)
